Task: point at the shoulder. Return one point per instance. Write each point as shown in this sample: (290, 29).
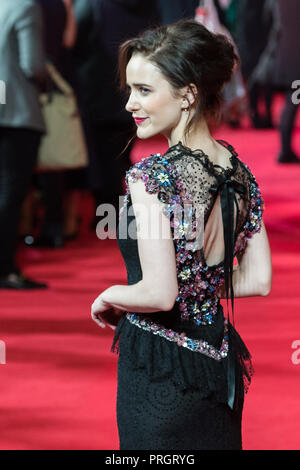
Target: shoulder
(153, 170)
(255, 193)
(27, 6)
(143, 165)
(28, 9)
(148, 162)
(256, 201)
(158, 178)
(14, 8)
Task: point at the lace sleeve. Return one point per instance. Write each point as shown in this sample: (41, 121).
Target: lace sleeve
(159, 178)
(256, 207)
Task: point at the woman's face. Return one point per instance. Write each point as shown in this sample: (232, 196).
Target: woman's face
(151, 102)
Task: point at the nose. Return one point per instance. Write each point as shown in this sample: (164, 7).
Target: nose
(132, 104)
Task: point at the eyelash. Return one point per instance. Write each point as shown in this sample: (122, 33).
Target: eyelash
(144, 91)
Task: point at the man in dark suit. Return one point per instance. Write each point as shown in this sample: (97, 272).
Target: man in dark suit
(21, 125)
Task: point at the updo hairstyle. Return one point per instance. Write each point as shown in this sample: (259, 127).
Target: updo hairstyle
(186, 52)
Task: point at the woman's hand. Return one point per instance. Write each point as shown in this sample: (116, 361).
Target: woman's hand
(105, 314)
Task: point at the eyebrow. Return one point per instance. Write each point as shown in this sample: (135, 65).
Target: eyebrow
(140, 84)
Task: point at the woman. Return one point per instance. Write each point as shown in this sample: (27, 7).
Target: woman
(183, 368)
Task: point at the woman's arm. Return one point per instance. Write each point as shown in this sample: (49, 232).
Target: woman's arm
(158, 288)
(253, 275)
(138, 298)
(70, 33)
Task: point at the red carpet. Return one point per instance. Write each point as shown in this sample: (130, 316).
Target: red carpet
(58, 386)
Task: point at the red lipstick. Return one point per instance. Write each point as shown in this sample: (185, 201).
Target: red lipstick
(139, 120)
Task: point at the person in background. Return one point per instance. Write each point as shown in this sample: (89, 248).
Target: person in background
(229, 8)
(22, 68)
(59, 36)
(70, 31)
(75, 179)
(287, 70)
(253, 29)
(102, 26)
(174, 10)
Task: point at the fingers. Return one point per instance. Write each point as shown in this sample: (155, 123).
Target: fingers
(97, 319)
(96, 316)
(96, 306)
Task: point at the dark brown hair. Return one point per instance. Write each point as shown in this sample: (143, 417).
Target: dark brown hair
(186, 52)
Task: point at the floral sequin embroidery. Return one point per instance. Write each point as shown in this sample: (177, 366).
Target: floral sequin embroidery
(197, 282)
(253, 223)
(196, 345)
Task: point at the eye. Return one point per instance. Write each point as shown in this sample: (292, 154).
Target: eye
(127, 90)
(144, 91)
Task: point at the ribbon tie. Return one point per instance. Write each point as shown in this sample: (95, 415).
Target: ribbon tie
(227, 188)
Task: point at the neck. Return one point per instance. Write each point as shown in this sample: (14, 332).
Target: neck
(198, 138)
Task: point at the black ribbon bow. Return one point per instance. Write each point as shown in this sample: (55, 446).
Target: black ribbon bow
(227, 188)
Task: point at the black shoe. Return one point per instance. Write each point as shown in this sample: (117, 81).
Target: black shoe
(46, 242)
(269, 124)
(288, 158)
(19, 282)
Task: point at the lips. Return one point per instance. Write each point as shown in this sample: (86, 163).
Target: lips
(139, 120)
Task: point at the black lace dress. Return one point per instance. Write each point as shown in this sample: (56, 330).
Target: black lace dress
(182, 374)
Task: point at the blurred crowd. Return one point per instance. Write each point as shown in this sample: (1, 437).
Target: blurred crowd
(80, 38)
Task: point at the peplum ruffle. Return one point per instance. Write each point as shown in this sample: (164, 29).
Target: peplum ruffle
(188, 370)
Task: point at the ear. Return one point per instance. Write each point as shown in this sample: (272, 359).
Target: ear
(189, 94)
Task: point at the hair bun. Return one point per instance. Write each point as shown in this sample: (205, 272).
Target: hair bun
(227, 56)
